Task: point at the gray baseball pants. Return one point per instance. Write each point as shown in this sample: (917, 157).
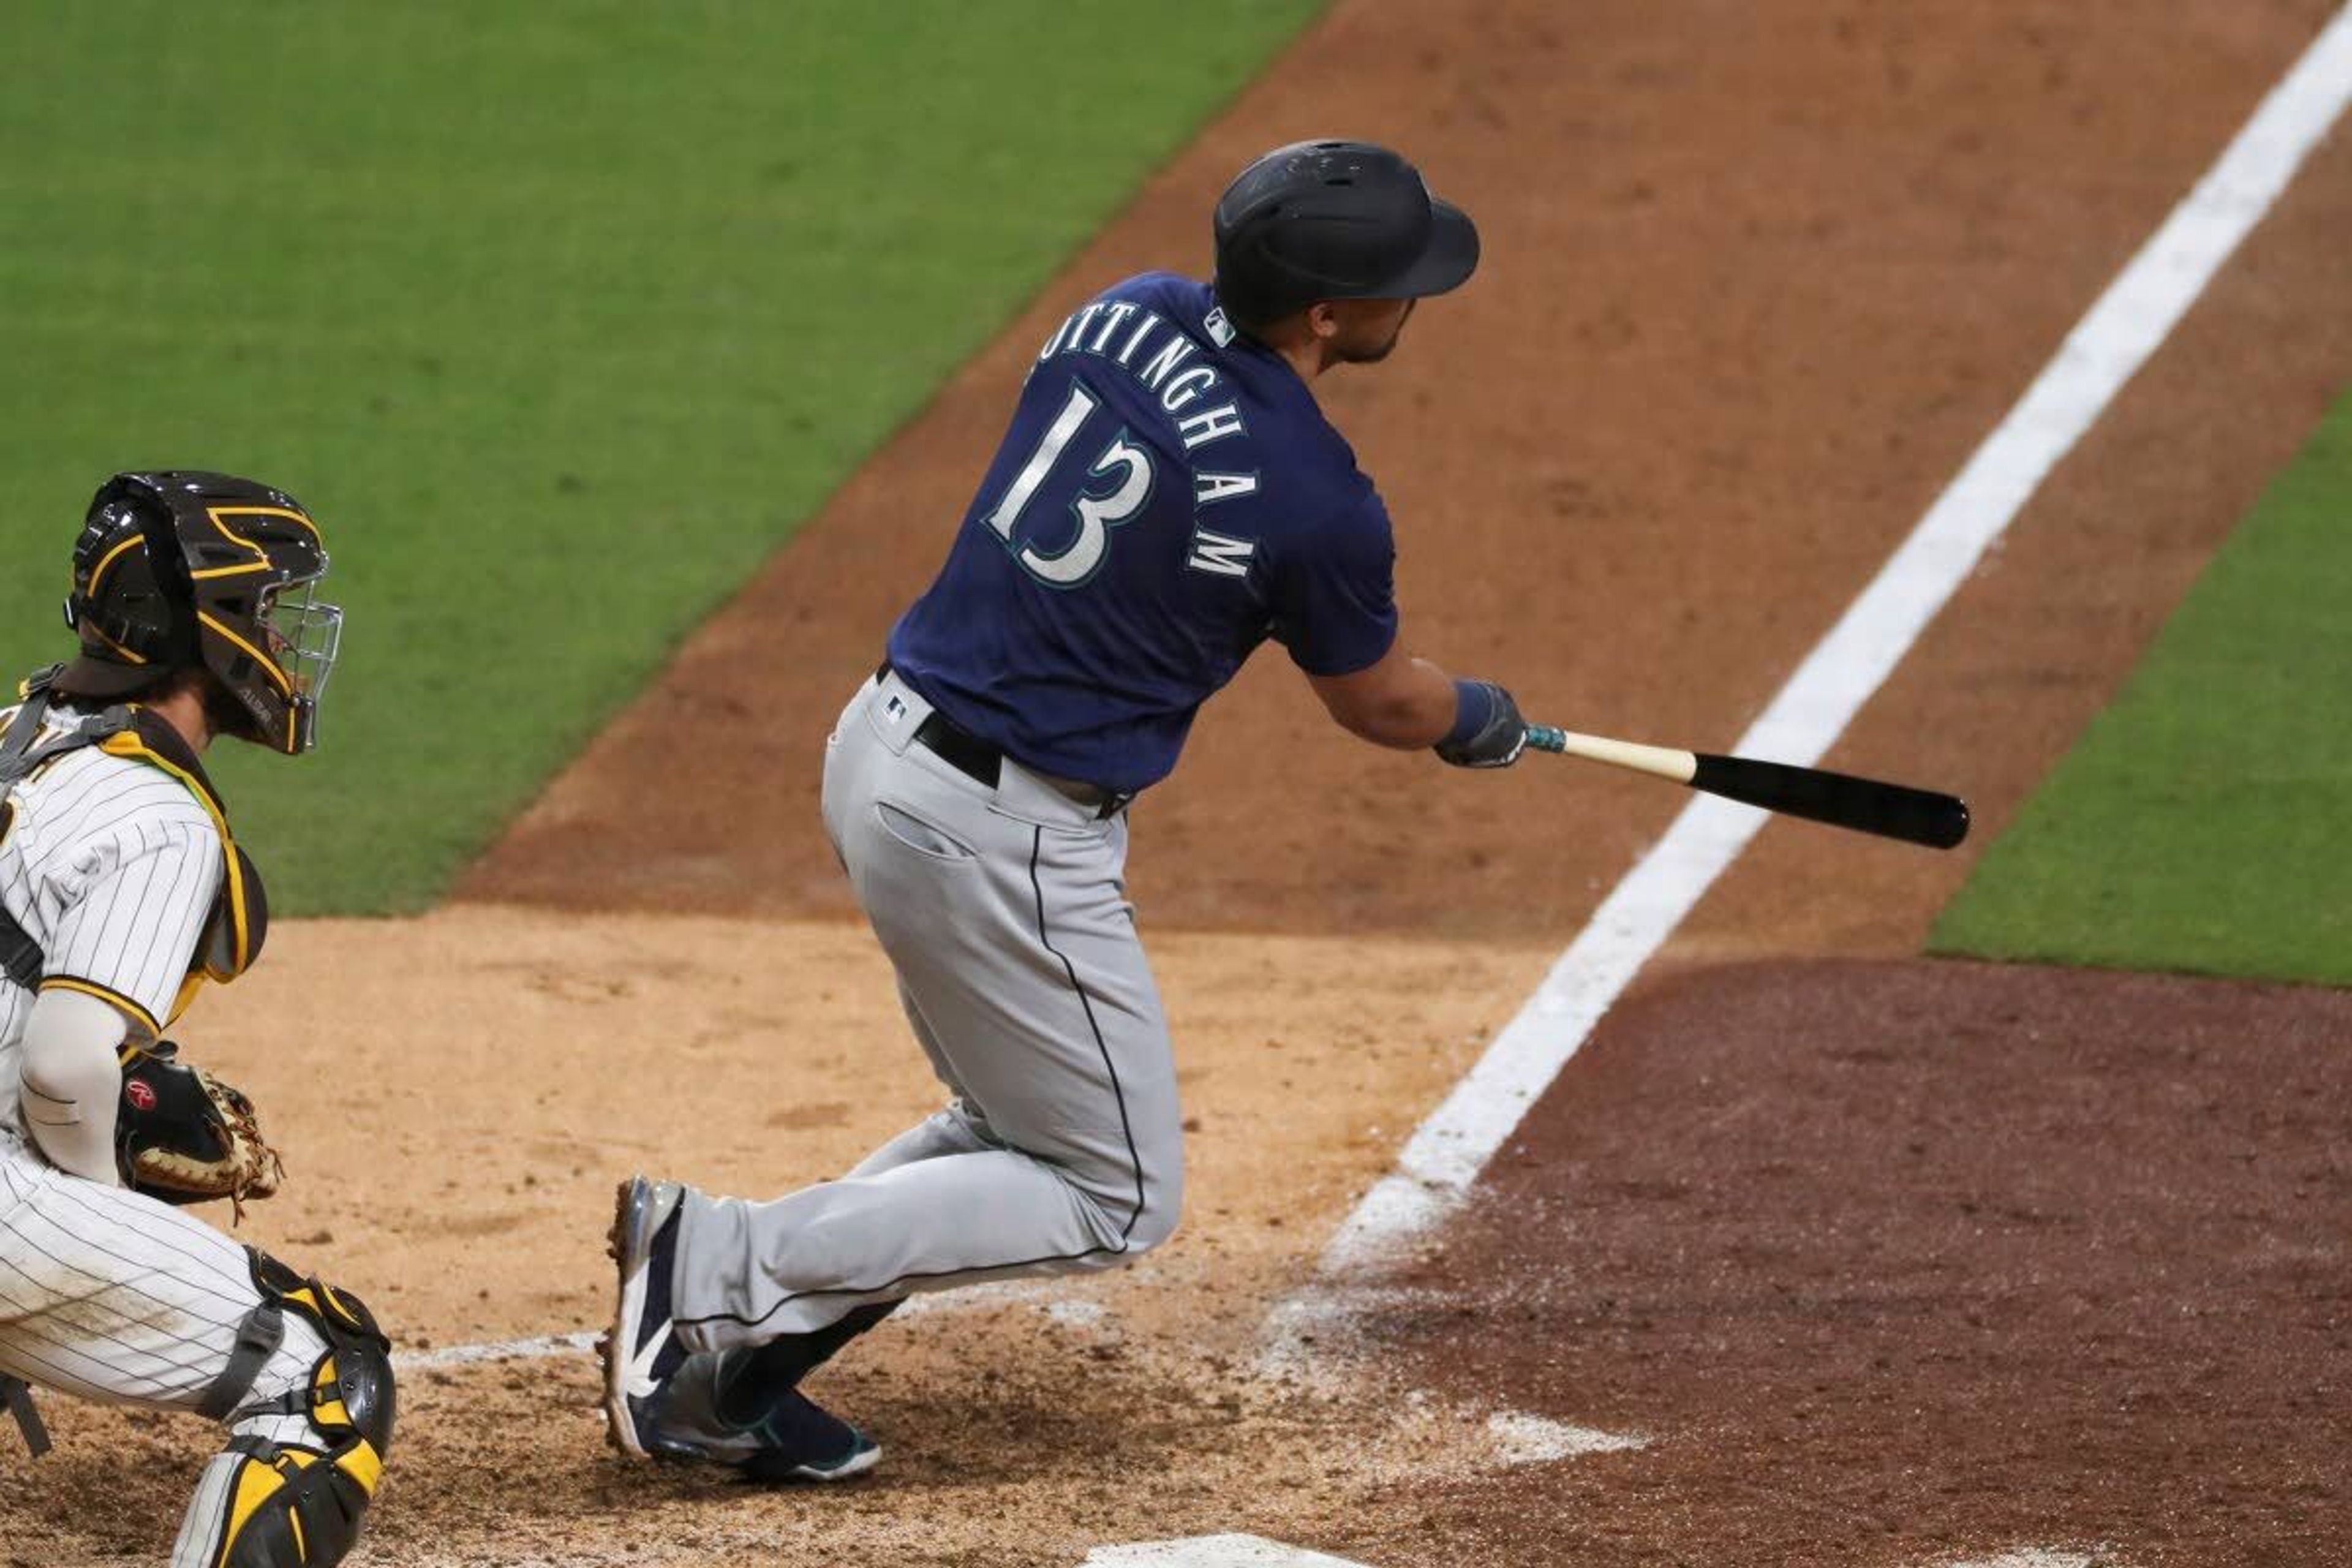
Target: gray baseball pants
(1004, 912)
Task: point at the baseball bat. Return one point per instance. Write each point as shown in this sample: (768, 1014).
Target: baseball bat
(1840, 800)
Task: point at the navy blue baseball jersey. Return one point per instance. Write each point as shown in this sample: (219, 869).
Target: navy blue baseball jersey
(1168, 497)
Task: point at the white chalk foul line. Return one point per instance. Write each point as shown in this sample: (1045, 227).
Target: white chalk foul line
(2102, 353)
(1070, 1311)
(1256, 1552)
(537, 1349)
(1213, 1552)
(1523, 1440)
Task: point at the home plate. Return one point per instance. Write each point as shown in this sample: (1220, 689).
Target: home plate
(1213, 1552)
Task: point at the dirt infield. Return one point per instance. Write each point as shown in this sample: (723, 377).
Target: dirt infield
(1977, 1257)
(546, 1056)
(1757, 280)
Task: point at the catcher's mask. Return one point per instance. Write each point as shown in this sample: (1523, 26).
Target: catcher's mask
(182, 569)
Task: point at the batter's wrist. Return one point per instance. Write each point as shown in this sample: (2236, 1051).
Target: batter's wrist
(1487, 730)
(1474, 704)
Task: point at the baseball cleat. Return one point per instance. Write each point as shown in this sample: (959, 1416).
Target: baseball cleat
(641, 1351)
(800, 1441)
(790, 1438)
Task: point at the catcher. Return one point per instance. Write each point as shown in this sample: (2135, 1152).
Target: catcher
(122, 893)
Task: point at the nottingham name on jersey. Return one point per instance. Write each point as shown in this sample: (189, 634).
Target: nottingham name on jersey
(1169, 497)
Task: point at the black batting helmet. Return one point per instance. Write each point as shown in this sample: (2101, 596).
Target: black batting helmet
(1334, 220)
(181, 570)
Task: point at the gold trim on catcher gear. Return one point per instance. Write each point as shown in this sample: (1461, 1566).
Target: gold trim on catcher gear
(138, 1015)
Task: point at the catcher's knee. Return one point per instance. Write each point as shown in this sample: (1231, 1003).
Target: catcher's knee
(298, 1499)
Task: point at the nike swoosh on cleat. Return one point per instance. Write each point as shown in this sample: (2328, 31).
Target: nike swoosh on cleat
(637, 1377)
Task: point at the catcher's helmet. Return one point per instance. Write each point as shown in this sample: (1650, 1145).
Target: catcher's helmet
(1334, 220)
(182, 570)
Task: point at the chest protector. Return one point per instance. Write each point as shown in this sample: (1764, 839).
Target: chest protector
(233, 933)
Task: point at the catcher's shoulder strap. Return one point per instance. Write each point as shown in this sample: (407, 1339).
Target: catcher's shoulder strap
(16, 1398)
(20, 956)
(22, 750)
(240, 919)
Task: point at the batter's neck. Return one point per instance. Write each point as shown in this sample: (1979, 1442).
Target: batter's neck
(1305, 356)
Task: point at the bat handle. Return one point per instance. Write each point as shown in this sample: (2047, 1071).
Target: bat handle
(1545, 738)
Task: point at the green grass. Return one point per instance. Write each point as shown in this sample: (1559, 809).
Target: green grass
(560, 318)
(2204, 822)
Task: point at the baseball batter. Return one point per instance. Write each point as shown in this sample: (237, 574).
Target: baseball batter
(1169, 497)
(122, 891)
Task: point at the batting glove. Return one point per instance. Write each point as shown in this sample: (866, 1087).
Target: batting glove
(1487, 730)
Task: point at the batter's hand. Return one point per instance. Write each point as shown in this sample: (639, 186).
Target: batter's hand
(1487, 730)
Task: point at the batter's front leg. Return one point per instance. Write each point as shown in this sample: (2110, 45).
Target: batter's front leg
(1016, 950)
(958, 1128)
(1086, 1192)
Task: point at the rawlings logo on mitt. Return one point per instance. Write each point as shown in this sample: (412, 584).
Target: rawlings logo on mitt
(184, 1137)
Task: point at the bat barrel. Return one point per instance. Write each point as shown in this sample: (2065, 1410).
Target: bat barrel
(1842, 800)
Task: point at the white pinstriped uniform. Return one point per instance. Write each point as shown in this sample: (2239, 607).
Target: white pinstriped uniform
(111, 865)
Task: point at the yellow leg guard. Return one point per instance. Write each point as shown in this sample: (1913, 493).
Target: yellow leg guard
(296, 1503)
(291, 1507)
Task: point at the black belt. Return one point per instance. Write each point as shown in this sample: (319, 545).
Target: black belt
(984, 764)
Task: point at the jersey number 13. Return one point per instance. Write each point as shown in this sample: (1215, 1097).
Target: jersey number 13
(1098, 508)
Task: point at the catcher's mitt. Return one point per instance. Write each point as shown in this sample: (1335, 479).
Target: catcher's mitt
(184, 1137)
